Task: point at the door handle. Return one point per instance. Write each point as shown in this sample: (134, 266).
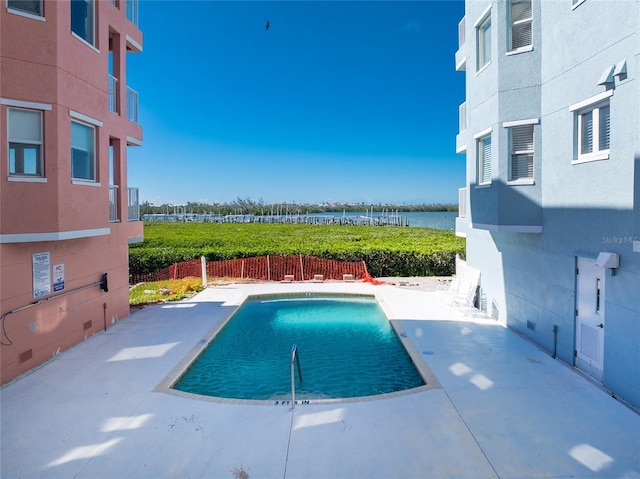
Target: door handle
(601, 325)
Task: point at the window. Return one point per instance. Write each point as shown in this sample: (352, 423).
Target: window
(483, 37)
(25, 142)
(132, 11)
(521, 18)
(593, 131)
(32, 7)
(82, 19)
(83, 161)
(592, 127)
(521, 152)
(484, 159)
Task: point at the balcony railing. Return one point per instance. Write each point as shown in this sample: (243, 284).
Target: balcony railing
(461, 53)
(461, 32)
(133, 206)
(132, 11)
(132, 105)
(462, 117)
(462, 203)
(113, 92)
(113, 204)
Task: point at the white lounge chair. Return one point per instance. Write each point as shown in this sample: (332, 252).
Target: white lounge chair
(453, 288)
(461, 292)
(465, 298)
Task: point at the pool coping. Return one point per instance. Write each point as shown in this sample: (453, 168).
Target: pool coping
(166, 385)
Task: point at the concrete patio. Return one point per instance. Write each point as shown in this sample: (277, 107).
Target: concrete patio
(505, 409)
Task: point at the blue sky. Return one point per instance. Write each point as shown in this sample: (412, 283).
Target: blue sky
(336, 102)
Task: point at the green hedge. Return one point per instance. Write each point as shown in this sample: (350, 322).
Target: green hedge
(387, 251)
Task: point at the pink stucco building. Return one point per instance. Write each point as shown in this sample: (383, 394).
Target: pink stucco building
(67, 213)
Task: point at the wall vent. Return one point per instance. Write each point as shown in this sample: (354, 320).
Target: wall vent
(87, 325)
(26, 355)
(531, 325)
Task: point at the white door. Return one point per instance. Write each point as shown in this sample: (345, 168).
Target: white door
(590, 317)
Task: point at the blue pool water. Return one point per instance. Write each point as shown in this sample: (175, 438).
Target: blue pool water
(346, 346)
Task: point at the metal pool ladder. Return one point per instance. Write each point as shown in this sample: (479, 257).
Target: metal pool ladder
(296, 356)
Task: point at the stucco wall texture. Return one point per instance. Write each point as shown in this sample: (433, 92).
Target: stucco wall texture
(526, 239)
(45, 67)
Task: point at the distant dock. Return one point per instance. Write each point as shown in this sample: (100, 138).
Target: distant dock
(297, 219)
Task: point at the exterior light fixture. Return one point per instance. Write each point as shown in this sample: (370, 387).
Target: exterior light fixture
(608, 260)
(607, 76)
(621, 70)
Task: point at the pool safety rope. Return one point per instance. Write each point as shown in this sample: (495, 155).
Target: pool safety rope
(264, 268)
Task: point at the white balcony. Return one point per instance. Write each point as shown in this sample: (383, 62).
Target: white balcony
(462, 203)
(462, 222)
(461, 54)
(113, 94)
(113, 204)
(463, 123)
(132, 105)
(133, 205)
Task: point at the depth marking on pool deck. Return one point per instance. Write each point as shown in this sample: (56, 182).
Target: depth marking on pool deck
(166, 385)
(302, 402)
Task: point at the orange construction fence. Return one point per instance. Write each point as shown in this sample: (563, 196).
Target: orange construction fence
(264, 268)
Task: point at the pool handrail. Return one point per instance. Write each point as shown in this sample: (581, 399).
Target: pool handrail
(296, 356)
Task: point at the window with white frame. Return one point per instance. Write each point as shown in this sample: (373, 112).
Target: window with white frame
(483, 41)
(25, 142)
(31, 7)
(521, 165)
(83, 159)
(484, 159)
(521, 17)
(83, 19)
(593, 131)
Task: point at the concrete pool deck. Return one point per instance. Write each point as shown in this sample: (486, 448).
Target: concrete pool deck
(505, 409)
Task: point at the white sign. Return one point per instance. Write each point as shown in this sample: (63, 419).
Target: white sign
(41, 274)
(58, 277)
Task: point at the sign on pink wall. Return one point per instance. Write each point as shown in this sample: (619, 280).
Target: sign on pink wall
(41, 274)
(58, 277)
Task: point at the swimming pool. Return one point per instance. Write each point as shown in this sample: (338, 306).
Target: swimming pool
(346, 346)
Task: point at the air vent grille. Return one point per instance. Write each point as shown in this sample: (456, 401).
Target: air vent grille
(26, 355)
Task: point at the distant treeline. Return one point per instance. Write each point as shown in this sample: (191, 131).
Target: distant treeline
(248, 206)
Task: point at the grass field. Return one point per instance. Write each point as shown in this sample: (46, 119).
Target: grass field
(387, 251)
(169, 290)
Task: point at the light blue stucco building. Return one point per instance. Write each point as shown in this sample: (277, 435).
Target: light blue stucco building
(551, 207)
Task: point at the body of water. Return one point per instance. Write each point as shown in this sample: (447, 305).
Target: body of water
(444, 220)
